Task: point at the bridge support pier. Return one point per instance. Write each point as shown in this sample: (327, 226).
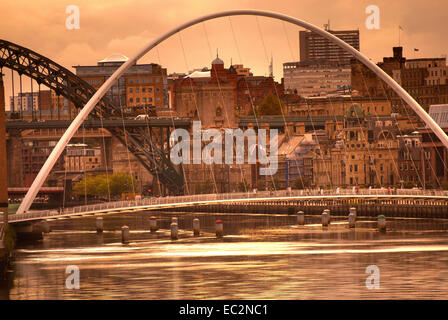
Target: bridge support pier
(3, 166)
(29, 231)
(14, 161)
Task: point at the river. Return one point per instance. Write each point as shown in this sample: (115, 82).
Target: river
(260, 257)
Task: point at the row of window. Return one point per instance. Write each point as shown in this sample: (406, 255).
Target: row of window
(143, 80)
(144, 100)
(137, 90)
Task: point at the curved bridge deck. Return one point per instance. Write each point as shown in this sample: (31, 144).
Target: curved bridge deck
(409, 203)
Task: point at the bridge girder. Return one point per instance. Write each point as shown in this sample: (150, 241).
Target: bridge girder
(65, 83)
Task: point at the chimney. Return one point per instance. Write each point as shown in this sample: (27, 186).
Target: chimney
(289, 129)
(398, 53)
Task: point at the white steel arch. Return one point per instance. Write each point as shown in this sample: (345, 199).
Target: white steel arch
(60, 146)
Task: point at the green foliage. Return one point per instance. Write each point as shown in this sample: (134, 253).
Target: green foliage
(100, 185)
(408, 185)
(270, 106)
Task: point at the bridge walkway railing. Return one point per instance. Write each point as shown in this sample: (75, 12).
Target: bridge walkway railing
(185, 200)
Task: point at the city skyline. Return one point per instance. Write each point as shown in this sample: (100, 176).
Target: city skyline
(126, 32)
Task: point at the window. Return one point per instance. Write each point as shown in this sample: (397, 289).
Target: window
(131, 90)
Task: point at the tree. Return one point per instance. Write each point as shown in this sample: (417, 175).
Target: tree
(102, 184)
(408, 185)
(270, 106)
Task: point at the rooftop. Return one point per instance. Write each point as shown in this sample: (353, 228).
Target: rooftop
(115, 57)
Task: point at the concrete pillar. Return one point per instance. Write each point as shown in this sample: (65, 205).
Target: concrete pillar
(99, 225)
(125, 234)
(3, 168)
(153, 224)
(196, 227)
(174, 231)
(14, 161)
(219, 229)
(382, 223)
(300, 218)
(351, 220)
(325, 219)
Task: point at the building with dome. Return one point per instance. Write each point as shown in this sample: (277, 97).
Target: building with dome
(217, 96)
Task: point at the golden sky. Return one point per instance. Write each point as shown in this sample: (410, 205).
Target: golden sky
(124, 26)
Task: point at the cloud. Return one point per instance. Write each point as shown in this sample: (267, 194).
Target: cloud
(126, 25)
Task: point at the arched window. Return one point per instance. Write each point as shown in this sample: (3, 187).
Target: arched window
(218, 112)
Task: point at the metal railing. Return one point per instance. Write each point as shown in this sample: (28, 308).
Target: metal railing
(200, 198)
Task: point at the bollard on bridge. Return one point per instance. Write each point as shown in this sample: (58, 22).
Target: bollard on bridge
(125, 234)
(300, 218)
(329, 215)
(219, 229)
(153, 224)
(196, 227)
(325, 219)
(351, 220)
(353, 210)
(174, 231)
(99, 225)
(382, 223)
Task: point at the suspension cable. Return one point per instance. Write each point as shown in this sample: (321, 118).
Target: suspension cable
(190, 81)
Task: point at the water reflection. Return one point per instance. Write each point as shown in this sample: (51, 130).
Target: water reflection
(261, 257)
